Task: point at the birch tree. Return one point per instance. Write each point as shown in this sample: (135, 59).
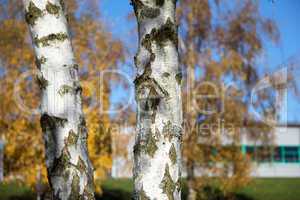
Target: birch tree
(223, 46)
(157, 153)
(70, 172)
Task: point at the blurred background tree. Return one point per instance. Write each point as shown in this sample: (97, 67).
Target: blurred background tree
(220, 44)
(96, 50)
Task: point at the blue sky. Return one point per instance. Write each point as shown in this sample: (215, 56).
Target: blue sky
(286, 13)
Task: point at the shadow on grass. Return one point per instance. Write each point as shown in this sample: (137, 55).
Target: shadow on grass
(213, 193)
(115, 193)
(209, 194)
(121, 195)
(24, 196)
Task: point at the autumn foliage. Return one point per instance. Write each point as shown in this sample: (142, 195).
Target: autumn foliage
(95, 50)
(220, 42)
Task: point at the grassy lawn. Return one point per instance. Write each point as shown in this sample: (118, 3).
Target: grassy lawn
(274, 189)
(121, 189)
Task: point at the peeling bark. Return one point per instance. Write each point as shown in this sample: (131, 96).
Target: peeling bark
(70, 172)
(157, 150)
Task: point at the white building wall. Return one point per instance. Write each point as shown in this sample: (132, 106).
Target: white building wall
(280, 170)
(284, 136)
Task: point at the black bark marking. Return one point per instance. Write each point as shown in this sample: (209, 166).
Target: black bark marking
(82, 128)
(61, 163)
(72, 138)
(159, 3)
(62, 4)
(66, 175)
(40, 61)
(146, 11)
(178, 78)
(81, 166)
(167, 32)
(45, 41)
(150, 104)
(167, 184)
(147, 145)
(76, 66)
(32, 14)
(88, 193)
(52, 8)
(64, 89)
(166, 74)
(151, 146)
(52, 123)
(74, 89)
(149, 12)
(143, 195)
(171, 131)
(178, 184)
(172, 154)
(75, 188)
(41, 81)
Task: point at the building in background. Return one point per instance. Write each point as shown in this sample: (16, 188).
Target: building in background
(282, 159)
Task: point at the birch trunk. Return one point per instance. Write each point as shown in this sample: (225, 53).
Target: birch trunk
(70, 172)
(157, 151)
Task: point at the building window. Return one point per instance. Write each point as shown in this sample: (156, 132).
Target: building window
(250, 151)
(282, 154)
(278, 155)
(264, 154)
(291, 154)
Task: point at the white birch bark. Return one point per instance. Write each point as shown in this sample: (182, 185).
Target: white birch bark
(70, 172)
(157, 151)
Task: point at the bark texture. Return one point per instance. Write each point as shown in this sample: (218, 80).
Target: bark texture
(157, 151)
(70, 172)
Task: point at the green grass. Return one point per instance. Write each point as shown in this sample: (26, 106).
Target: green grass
(14, 191)
(123, 184)
(274, 189)
(121, 189)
